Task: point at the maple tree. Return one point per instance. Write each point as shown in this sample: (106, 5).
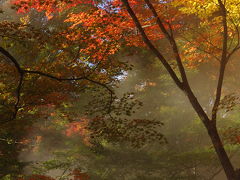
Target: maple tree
(15, 103)
(224, 55)
(66, 65)
(102, 30)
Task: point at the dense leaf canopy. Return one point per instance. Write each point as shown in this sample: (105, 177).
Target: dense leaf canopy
(71, 100)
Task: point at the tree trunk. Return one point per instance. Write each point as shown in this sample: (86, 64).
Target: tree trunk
(221, 153)
(213, 133)
(184, 85)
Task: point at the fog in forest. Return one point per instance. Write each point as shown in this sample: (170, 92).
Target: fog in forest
(146, 130)
(187, 148)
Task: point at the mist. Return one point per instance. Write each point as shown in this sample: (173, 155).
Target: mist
(187, 143)
(123, 119)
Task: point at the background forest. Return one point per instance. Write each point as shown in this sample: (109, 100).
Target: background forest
(83, 97)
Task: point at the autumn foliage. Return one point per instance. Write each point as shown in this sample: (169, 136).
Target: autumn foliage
(181, 33)
(103, 27)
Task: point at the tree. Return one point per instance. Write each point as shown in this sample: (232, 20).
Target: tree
(216, 20)
(64, 65)
(209, 123)
(18, 111)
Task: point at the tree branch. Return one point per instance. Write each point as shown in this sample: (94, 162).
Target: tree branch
(152, 47)
(223, 62)
(11, 58)
(237, 47)
(22, 72)
(184, 86)
(18, 95)
(171, 40)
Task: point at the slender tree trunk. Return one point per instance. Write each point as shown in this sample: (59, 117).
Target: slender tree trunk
(221, 153)
(214, 136)
(184, 86)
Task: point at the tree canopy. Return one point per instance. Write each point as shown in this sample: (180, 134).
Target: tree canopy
(68, 88)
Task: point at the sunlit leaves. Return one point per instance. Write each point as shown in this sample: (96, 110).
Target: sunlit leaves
(204, 35)
(49, 6)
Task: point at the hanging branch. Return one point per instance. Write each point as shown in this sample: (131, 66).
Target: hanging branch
(22, 72)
